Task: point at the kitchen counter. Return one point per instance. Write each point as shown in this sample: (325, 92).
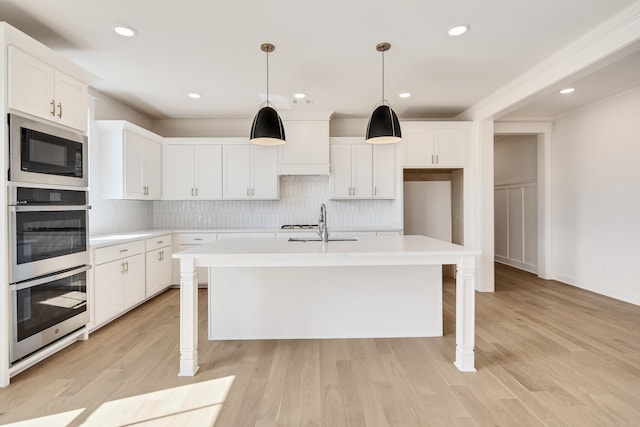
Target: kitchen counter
(386, 286)
(129, 236)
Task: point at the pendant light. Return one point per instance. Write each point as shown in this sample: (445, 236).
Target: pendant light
(384, 127)
(267, 128)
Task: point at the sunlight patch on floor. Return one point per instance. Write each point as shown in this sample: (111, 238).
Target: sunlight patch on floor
(62, 419)
(190, 405)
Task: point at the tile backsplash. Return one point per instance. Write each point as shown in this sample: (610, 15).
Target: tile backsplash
(300, 199)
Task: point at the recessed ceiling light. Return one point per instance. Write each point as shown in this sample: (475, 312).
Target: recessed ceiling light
(567, 90)
(458, 30)
(300, 95)
(405, 95)
(194, 95)
(124, 30)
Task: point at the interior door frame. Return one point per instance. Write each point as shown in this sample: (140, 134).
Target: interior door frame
(542, 130)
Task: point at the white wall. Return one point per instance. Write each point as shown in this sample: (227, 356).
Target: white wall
(596, 197)
(427, 209)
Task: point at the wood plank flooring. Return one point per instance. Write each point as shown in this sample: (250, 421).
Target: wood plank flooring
(547, 354)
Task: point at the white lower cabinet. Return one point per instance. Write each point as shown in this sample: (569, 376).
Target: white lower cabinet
(158, 264)
(118, 280)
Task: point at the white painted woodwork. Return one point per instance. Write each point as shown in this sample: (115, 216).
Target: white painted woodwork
(118, 280)
(37, 88)
(250, 172)
(384, 171)
(205, 181)
(325, 302)
(434, 144)
(351, 171)
(158, 265)
(398, 251)
(130, 161)
(306, 151)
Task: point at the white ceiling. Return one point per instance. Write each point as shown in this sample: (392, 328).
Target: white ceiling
(325, 49)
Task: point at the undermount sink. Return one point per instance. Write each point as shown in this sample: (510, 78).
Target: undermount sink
(317, 239)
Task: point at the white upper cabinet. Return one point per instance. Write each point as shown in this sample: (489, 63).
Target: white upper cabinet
(384, 171)
(362, 171)
(250, 172)
(192, 171)
(130, 161)
(306, 151)
(351, 171)
(434, 144)
(37, 88)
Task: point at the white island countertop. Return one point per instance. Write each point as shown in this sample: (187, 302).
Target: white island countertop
(382, 250)
(401, 253)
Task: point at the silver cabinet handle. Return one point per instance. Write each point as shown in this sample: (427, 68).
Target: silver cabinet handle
(375, 191)
(196, 191)
(247, 191)
(53, 107)
(437, 160)
(59, 110)
(197, 238)
(126, 266)
(353, 193)
(192, 192)
(122, 267)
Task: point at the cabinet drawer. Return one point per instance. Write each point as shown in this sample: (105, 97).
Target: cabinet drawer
(195, 238)
(111, 253)
(158, 242)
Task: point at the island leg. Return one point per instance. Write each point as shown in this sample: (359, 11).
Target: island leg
(465, 314)
(188, 318)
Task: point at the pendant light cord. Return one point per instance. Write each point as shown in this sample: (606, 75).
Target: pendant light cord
(267, 78)
(383, 100)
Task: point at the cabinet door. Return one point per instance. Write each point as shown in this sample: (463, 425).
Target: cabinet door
(152, 169)
(134, 287)
(158, 267)
(71, 101)
(178, 172)
(340, 177)
(133, 165)
(208, 175)
(451, 148)
(30, 84)
(108, 299)
(361, 166)
(419, 149)
(236, 171)
(265, 172)
(384, 171)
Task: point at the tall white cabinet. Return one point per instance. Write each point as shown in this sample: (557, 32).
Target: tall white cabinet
(130, 161)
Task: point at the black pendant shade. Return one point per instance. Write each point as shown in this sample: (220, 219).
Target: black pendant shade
(384, 127)
(267, 128)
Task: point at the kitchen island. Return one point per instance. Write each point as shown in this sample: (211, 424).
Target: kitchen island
(387, 286)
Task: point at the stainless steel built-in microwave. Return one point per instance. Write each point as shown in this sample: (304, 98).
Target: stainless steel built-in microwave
(43, 153)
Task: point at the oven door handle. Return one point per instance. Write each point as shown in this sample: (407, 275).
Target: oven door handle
(47, 279)
(48, 208)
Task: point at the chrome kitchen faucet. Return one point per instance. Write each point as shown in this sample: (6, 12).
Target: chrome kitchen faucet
(322, 224)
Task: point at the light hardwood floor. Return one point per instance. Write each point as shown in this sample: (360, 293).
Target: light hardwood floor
(546, 353)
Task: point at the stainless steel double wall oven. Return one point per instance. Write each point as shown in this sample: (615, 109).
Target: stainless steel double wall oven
(48, 236)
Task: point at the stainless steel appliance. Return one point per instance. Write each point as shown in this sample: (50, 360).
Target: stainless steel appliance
(43, 153)
(48, 231)
(46, 309)
(49, 251)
